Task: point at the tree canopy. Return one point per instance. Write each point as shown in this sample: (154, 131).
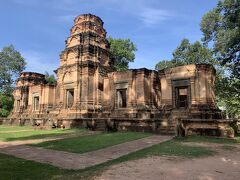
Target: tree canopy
(11, 65)
(221, 27)
(187, 53)
(50, 79)
(123, 52)
(221, 31)
(228, 96)
(6, 104)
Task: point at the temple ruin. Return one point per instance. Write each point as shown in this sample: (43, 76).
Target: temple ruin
(89, 93)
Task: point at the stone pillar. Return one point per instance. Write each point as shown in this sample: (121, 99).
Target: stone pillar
(140, 90)
(170, 97)
(106, 93)
(132, 87)
(192, 90)
(84, 88)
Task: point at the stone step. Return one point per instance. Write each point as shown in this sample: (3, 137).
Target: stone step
(166, 131)
(100, 125)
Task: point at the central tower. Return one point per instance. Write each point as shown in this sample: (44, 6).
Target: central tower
(83, 64)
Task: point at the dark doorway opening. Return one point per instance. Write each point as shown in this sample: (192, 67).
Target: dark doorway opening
(69, 98)
(181, 97)
(122, 98)
(18, 105)
(36, 103)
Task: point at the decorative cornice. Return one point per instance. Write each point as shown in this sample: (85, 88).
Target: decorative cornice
(91, 17)
(84, 49)
(32, 79)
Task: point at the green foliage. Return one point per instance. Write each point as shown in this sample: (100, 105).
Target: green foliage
(227, 91)
(187, 53)
(50, 79)
(123, 52)
(221, 27)
(11, 65)
(167, 64)
(6, 105)
(194, 53)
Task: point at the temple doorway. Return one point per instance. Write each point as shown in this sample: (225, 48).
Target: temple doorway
(69, 98)
(122, 98)
(181, 93)
(181, 97)
(36, 103)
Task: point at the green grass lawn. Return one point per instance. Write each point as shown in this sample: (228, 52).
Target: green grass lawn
(14, 128)
(173, 148)
(92, 142)
(205, 139)
(15, 168)
(19, 169)
(12, 133)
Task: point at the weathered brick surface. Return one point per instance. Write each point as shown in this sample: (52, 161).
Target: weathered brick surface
(88, 88)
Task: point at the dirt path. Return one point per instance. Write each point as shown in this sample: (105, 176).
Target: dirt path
(223, 166)
(68, 160)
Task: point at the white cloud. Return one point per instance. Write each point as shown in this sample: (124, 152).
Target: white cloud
(151, 16)
(39, 62)
(143, 10)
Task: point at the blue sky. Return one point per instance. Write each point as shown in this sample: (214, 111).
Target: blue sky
(38, 28)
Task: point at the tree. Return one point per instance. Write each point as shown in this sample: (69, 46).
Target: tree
(228, 96)
(163, 64)
(195, 53)
(187, 53)
(50, 79)
(6, 105)
(221, 27)
(123, 52)
(11, 65)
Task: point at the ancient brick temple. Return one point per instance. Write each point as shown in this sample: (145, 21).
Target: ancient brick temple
(90, 93)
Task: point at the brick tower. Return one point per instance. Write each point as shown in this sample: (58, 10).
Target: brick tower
(83, 64)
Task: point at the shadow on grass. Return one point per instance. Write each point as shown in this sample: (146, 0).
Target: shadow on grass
(168, 148)
(39, 134)
(207, 139)
(11, 167)
(92, 142)
(14, 128)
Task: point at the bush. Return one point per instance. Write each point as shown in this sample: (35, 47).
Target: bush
(6, 105)
(234, 126)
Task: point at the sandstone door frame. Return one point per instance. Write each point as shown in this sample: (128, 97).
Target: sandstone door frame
(178, 84)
